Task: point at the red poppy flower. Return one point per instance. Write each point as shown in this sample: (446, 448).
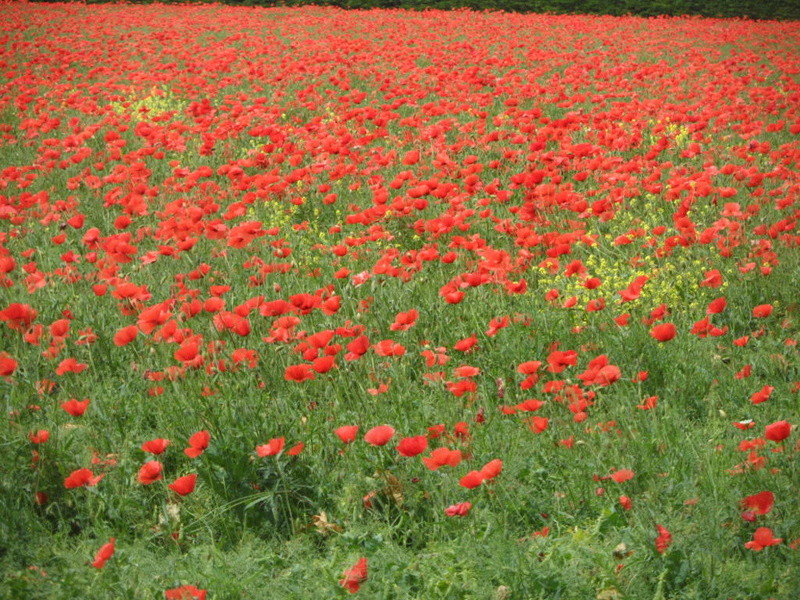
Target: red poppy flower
(717, 306)
(663, 540)
(467, 371)
(663, 332)
(600, 373)
(39, 437)
(529, 405)
(411, 157)
(441, 457)
(323, 364)
(404, 320)
(648, 403)
(713, 279)
(189, 353)
(271, 448)
(184, 486)
(156, 446)
(762, 538)
(492, 469)
(530, 367)
(762, 395)
(411, 446)
(622, 475)
(126, 335)
(80, 478)
(18, 316)
(70, 365)
(355, 576)
(538, 424)
(7, 365)
(185, 592)
(298, 373)
(778, 431)
(347, 433)
(75, 407)
(296, 449)
(762, 311)
(471, 480)
(623, 319)
(760, 503)
(197, 444)
(105, 552)
(466, 344)
(625, 503)
(458, 510)
(379, 436)
(560, 360)
(150, 472)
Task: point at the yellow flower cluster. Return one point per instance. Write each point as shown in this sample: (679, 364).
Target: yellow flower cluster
(678, 132)
(157, 102)
(673, 280)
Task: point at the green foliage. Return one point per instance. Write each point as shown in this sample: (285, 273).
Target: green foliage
(553, 524)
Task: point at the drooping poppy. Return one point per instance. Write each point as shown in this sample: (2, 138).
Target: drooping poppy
(458, 510)
(663, 540)
(355, 576)
(106, 552)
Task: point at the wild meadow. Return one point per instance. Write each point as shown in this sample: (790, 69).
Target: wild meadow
(299, 303)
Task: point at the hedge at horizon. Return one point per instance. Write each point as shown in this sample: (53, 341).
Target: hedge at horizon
(751, 9)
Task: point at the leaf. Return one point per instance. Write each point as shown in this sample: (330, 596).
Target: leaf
(611, 593)
(324, 526)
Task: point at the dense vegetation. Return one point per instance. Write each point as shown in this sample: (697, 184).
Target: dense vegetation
(298, 302)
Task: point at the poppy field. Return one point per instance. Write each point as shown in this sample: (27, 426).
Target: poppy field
(305, 303)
